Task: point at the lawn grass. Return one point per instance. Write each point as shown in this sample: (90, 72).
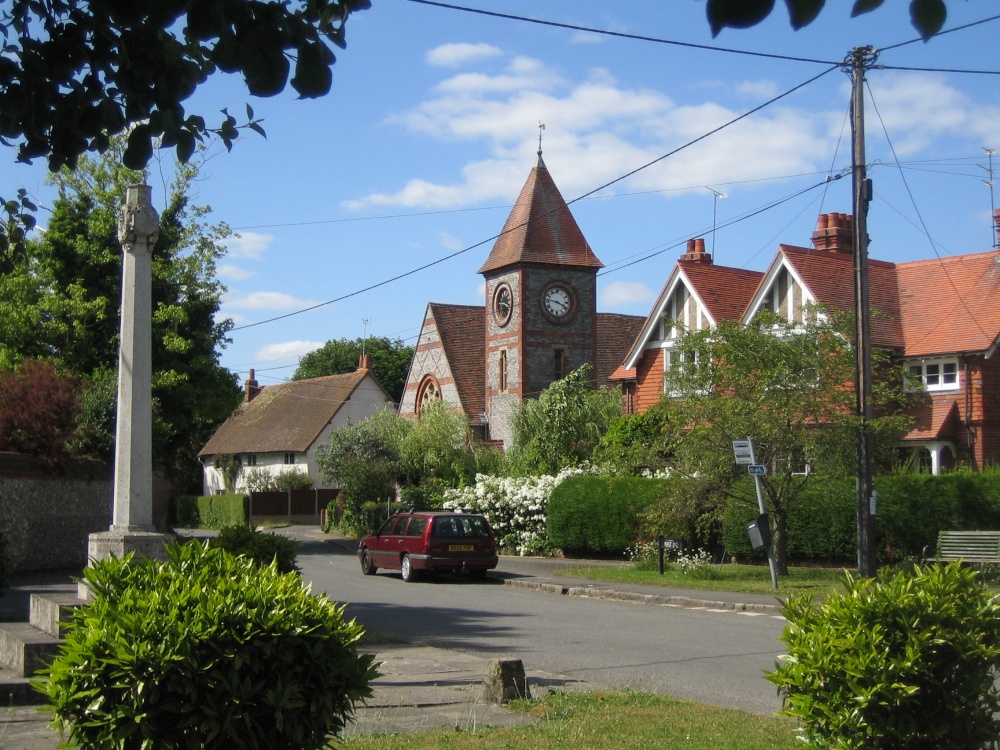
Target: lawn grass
(602, 721)
(753, 579)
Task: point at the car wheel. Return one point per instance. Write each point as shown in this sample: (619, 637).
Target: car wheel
(406, 568)
(367, 566)
(477, 574)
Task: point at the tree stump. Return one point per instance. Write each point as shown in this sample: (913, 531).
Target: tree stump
(505, 681)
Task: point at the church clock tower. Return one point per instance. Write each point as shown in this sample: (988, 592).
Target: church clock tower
(541, 301)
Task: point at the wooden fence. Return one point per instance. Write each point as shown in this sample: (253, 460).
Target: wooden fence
(296, 506)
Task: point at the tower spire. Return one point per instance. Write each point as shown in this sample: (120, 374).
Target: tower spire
(541, 127)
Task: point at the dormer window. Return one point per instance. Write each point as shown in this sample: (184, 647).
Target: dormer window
(935, 374)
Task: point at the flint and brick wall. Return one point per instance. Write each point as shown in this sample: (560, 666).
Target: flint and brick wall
(47, 517)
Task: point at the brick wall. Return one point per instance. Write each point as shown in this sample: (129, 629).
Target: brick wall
(649, 380)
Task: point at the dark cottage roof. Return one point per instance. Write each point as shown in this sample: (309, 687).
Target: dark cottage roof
(284, 417)
(462, 331)
(615, 334)
(540, 229)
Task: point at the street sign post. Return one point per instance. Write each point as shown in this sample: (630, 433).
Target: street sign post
(744, 454)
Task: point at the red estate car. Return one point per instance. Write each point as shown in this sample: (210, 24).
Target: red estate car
(414, 542)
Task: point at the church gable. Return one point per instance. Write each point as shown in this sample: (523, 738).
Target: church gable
(448, 361)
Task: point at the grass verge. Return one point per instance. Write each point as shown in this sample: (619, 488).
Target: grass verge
(819, 582)
(603, 720)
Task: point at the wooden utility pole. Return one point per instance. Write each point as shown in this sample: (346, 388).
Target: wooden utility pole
(860, 60)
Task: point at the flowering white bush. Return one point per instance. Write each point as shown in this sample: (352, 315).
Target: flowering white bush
(515, 506)
(644, 555)
(698, 564)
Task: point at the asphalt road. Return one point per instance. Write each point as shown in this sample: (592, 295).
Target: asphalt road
(716, 657)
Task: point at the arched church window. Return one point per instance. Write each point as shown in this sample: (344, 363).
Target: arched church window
(428, 392)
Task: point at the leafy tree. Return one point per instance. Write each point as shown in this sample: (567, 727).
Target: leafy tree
(290, 479)
(364, 459)
(390, 361)
(787, 386)
(439, 449)
(65, 296)
(638, 443)
(563, 425)
(76, 73)
(927, 16)
(38, 410)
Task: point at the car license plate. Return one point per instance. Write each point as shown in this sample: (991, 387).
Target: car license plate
(461, 548)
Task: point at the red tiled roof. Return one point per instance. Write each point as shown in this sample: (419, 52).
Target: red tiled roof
(284, 417)
(462, 330)
(725, 291)
(950, 305)
(933, 420)
(830, 278)
(615, 334)
(540, 229)
(623, 374)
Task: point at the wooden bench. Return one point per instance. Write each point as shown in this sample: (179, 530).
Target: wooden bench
(980, 547)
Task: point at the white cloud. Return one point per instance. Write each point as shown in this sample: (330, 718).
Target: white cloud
(620, 294)
(598, 129)
(267, 301)
(247, 245)
(758, 89)
(233, 273)
(453, 55)
(286, 350)
(450, 243)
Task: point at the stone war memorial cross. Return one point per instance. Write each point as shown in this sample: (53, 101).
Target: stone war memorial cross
(132, 527)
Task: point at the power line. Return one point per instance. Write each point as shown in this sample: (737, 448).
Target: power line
(606, 185)
(619, 34)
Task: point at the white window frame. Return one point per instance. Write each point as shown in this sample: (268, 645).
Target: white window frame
(289, 459)
(934, 375)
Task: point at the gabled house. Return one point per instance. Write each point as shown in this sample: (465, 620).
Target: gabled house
(279, 427)
(939, 318)
(540, 321)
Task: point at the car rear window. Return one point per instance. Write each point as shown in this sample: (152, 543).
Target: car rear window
(416, 527)
(460, 526)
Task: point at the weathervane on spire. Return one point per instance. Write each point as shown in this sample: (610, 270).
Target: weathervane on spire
(541, 127)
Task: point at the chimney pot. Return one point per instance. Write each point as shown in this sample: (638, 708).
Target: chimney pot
(365, 362)
(823, 221)
(699, 245)
(251, 388)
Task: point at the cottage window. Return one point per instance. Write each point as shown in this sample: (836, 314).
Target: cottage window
(934, 375)
(289, 458)
(250, 459)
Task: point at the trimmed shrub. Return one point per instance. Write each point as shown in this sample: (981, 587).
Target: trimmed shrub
(205, 650)
(262, 548)
(905, 661)
(209, 511)
(290, 479)
(600, 514)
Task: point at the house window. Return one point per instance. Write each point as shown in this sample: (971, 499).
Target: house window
(935, 375)
(289, 458)
(559, 363)
(503, 371)
(250, 459)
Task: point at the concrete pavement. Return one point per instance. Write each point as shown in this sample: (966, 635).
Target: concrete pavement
(420, 687)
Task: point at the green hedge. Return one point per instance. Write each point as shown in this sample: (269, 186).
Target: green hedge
(600, 514)
(912, 509)
(209, 511)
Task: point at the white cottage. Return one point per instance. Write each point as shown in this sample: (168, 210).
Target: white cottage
(279, 427)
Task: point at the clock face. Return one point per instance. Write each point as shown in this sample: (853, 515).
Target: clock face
(503, 304)
(557, 302)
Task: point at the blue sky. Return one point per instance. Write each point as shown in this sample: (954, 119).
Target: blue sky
(432, 128)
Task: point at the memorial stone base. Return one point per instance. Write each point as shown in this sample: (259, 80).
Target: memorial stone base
(119, 543)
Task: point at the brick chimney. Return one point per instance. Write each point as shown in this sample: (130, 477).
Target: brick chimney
(996, 227)
(695, 252)
(250, 388)
(834, 233)
(365, 362)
